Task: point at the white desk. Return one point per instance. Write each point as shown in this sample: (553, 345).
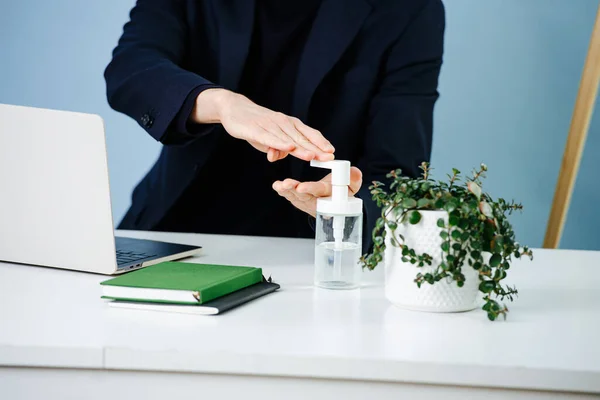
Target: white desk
(59, 340)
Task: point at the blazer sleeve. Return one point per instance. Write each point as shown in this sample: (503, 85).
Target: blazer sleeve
(144, 79)
(400, 121)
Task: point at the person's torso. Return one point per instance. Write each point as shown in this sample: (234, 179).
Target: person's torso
(331, 81)
(346, 81)
(233, 192)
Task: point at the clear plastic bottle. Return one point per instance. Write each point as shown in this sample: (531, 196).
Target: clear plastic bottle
(338, 241)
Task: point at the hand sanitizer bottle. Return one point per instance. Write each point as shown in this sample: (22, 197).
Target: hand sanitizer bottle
(338, 238)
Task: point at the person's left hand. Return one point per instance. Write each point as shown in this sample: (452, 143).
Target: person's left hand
(304, 195)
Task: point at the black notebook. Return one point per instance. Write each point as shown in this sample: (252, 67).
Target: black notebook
(216, 306)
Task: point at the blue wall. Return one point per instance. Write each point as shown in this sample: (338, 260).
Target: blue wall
(508, 86)
(53, 54)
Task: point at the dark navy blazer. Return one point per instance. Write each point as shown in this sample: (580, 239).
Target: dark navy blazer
(367, 80)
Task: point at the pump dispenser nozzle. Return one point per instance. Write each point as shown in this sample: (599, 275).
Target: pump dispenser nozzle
(340, 180)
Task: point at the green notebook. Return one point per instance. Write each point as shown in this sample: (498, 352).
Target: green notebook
(180, 283)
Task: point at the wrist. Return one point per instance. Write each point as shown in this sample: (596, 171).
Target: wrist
(210, 105)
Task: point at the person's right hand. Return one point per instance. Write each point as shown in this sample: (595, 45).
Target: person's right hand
(271, 132)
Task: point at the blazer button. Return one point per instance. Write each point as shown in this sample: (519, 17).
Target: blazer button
(147, 121)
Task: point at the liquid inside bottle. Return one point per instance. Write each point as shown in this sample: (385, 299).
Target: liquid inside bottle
(337, 265)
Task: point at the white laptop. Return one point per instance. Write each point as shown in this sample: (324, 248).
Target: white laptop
(55, 208)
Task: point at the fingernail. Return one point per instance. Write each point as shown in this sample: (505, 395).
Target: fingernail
(330, 148)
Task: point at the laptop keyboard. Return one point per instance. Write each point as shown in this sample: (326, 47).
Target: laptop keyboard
(129, 257)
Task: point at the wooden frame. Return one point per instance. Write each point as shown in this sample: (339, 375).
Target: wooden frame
(580, 123)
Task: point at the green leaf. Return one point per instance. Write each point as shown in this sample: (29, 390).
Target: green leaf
(394, 242)
(456, 246)
(414, 217)
(404, 259)
(494, 306)
(409, 203)
(441, 223)
(475, 254)
(485, 246)
(392, 225)
(475, 189)
(495, 260)
(456, 235)
(453, 220)
(487, 286)
(425, 186)
(460, 283)
(445, 247)
(451, 205)
(465, 208)
(429, 278)
(491, 316)
(439, 204)
(422, 203)
(379, 224)
(444, 235)
(378, 241)
(477, 266)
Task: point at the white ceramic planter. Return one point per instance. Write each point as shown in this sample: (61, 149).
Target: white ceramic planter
(443, 296)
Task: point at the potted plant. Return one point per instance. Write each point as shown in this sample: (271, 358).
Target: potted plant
(443, 242)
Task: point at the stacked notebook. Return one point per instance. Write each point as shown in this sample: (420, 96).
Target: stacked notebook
(187, 288)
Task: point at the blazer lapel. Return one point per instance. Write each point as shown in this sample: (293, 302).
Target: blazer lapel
(235, 25)
(335, 26)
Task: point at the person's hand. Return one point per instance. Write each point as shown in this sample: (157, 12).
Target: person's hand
(304, 195)
(273, 133)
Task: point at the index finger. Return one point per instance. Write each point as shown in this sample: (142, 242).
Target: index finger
(355, 180)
